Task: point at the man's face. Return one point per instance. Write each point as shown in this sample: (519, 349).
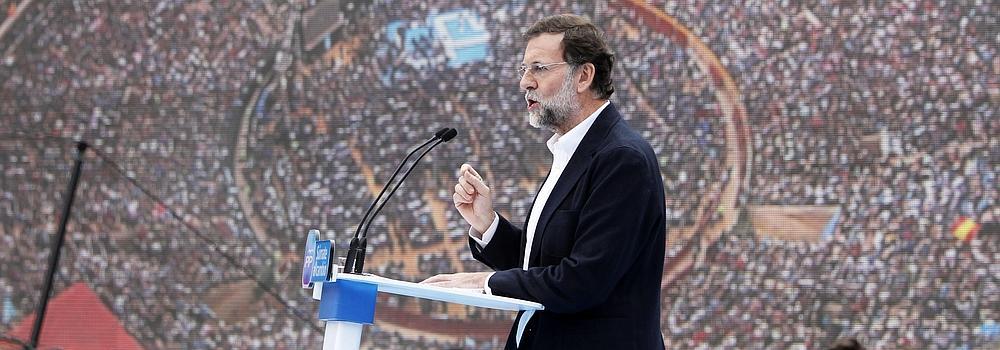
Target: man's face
(550, 94)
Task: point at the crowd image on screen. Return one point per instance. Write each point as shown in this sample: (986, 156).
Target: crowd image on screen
(883, 110)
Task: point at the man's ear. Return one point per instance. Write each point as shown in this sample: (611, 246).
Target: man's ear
(585, 78)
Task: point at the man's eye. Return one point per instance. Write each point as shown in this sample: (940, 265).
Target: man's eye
(540, 68)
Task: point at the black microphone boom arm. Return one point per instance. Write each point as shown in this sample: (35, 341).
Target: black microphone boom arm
(359, 257)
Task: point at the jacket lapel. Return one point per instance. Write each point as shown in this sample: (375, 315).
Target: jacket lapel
(577, 165)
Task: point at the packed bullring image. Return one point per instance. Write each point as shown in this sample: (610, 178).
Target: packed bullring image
(828, 166)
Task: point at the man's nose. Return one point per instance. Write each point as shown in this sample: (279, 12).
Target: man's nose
(528, 82)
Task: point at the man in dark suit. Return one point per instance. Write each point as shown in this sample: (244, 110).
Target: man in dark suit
(592, 248)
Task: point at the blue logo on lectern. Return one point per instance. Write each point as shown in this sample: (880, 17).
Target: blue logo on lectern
(316, 262)
(309, 259)
(321, 266)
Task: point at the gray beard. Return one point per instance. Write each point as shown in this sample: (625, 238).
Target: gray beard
(554, 114)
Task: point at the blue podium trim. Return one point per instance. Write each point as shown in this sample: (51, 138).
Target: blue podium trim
(348, 301)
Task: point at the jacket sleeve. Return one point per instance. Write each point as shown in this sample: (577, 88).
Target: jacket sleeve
(503, 251)
(615, 222)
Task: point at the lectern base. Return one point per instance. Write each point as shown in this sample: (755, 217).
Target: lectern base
(342, 335)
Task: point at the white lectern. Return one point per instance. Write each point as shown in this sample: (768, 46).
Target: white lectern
(347, 303)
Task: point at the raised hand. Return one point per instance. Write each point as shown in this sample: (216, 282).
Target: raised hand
(473, 199)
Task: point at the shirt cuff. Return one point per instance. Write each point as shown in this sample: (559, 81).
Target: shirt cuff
(488, 235)
(486, 284)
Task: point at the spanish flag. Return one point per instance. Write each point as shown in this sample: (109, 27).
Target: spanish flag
(965, 229)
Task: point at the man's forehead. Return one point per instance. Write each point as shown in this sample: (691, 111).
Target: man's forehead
(544, 48)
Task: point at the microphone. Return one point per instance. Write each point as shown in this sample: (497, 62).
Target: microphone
(359, 265)
(352, 249)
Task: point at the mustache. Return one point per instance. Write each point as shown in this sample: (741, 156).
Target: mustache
(532, 95)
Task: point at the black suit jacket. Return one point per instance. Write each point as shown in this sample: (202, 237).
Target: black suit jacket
(597, 255)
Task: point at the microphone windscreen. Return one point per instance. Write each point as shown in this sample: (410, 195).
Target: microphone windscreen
(450, 134)
(440, 133)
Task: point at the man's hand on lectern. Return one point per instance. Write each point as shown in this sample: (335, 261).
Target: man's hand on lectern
(471, 280)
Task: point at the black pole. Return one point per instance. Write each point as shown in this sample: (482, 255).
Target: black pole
(36, 330)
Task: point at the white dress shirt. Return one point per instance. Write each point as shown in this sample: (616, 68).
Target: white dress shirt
(562, 148)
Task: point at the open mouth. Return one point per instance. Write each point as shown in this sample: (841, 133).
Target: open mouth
(532, 104)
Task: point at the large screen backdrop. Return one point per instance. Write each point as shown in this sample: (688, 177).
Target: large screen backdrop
(830, 167)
